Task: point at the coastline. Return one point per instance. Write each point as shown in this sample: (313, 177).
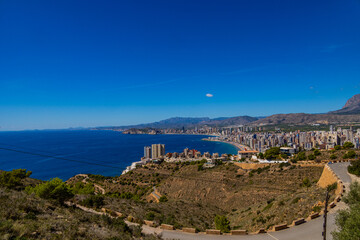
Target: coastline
(238, 146)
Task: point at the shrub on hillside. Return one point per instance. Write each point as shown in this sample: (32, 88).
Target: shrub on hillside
(306, 182)
(96, 201)
(317, 152)
(301, 156)
(200, 167)
(272, 153)
(350, 154)
(337, 147)
(222, 224)
(348, 145)
(54, 189)
(82, 188)
(348, 221)
(354, 168)
(333, 156)
(311, 157)
(331, 187)
(150, 216)
(13, 178)
(163, 198)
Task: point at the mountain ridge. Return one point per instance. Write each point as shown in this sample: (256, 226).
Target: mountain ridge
(352, 106)
(350, 113)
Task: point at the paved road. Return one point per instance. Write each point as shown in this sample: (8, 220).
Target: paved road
(308, 231)
(311, 230)
(340, 169)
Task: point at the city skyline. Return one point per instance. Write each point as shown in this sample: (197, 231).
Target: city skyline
(67, 64)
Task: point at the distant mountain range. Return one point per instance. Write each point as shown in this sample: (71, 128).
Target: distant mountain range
(187, 122)
(350, 113)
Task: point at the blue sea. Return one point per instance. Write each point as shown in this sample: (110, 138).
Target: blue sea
(85, 151)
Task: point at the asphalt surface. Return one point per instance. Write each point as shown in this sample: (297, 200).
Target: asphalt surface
(311, 230)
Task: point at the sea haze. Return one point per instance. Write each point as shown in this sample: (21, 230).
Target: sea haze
(106, 148)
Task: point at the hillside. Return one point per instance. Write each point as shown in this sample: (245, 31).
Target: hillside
(196, 195)
(28, 216)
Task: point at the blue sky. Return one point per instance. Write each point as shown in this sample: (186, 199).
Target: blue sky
(99, 63)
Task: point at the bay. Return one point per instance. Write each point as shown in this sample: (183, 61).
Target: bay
(83, 151)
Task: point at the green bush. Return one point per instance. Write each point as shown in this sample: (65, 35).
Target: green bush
(354, 168)
(96, 201)
(316, 209)
(301, 156)
(348, 145)
(311, 157)
(331, 187)
(54, 189)
(82, 188)
(348, 221)
(333, 157)
(222, 224)
(317, 152)
(350, 154)
(284, 164)
(218, 162)
(150, 216)
(98, 177)
(163, 198)
(337, 147)
(13, 178)
(200, 167)
(126, 195)
(272, 153)
(306, 182)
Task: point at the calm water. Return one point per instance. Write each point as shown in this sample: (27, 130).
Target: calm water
(106, 148)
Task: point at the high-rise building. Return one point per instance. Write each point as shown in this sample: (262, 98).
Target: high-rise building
(147, 152)
(157, 150)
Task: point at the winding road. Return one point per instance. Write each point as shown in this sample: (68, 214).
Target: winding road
(311, 230)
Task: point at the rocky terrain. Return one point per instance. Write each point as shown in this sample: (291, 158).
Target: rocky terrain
(352, 106)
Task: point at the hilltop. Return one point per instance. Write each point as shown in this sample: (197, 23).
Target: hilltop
(352, 106)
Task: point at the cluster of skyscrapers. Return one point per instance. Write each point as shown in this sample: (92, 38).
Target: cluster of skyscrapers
(261, 141)
(156, 151)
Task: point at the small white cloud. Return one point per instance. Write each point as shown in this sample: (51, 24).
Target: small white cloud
(209, 95)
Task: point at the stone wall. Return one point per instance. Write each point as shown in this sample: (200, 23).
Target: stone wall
(327, 178)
